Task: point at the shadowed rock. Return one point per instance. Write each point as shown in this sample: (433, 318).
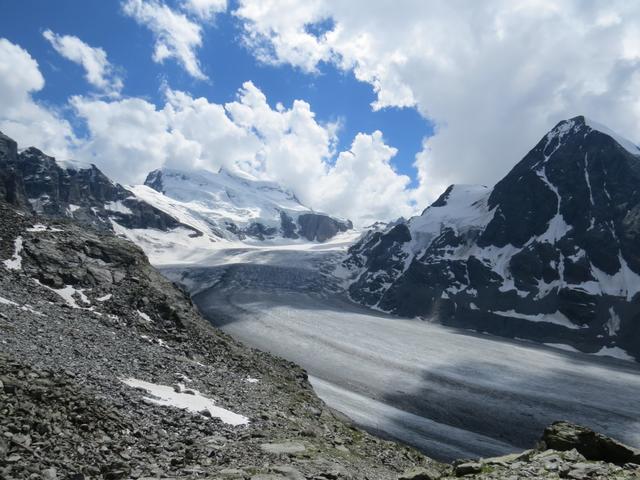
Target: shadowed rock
(594, 446)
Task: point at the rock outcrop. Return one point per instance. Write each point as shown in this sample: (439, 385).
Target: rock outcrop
(35, 181)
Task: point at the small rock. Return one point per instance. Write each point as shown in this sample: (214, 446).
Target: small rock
(468, 468)
(280, 448)
(49, 474)
(231, 473)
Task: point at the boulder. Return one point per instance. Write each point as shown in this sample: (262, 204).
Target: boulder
(564, 436)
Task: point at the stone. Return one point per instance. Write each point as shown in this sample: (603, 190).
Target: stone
(468, 468)
(288, 472)
(49, 474)
(283, 448)
(231, 473)
(594, 446)
(421, 473)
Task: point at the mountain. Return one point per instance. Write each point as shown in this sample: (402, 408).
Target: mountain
(175, 216)
(107, 370)
(33, 180)
(237, 207)
(549, 254)
(229, 211)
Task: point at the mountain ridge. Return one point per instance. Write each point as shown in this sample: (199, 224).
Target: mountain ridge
(179, 215)
(548, 254)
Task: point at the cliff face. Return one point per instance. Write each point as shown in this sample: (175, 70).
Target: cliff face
(32, 180)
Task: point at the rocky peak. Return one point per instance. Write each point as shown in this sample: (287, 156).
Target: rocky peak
(550, 253)
(32, 180)
(8, 147)
(154, 180)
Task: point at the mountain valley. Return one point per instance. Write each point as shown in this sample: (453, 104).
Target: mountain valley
(400, 329)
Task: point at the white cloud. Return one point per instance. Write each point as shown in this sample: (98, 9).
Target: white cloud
(21, 117)
(176, 36)
(99, 72)
(277, 31)
(493, 76)
(205, 9)
(130, 137)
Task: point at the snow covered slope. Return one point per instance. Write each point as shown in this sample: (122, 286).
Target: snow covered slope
(551, 253)
(226, 211)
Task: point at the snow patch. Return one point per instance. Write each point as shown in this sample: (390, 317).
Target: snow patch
(4, 301)
(67, 294)
(117, 207)
(615, 352)
(196, 403)
(15, 262)
(107, 297)
(557, 318)
(613, 324)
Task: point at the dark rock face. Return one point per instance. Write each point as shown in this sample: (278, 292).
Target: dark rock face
(549, 254)
(34, 180)
(154, 180)
(288, 226)
(318, 227)
(565, 436)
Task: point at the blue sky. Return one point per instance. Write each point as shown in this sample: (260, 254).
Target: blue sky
(462, 89)
(332, 93)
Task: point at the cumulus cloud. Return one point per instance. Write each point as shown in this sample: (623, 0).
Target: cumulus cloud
(176, 35)
(99, 72)
(205, 9)
(492, 76)
(277, 31)
(21, 117)
(130, 137)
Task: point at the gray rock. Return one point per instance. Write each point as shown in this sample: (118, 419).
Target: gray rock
(467, 468)
(283, 448)
(594, 446)
(49, 474)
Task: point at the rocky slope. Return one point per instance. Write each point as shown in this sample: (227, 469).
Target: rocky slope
(90, 334)
(107, 371)
(549, 254)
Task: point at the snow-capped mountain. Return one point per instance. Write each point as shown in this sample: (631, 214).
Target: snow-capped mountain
(236, 207)
(228, 211)
(177, 216)
(550, 254)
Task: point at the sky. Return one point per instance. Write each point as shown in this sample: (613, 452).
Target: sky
(366, 109)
